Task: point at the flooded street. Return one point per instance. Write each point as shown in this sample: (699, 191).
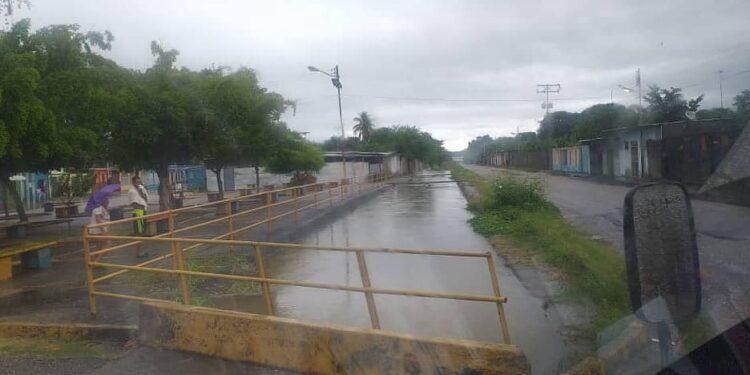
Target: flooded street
(423, 212)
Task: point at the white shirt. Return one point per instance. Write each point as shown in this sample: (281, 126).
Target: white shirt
(104, 213)
(135, 197)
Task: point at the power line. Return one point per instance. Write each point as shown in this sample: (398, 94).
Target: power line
(471, 99)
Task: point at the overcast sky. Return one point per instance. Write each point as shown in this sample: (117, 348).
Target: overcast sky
(458, 69)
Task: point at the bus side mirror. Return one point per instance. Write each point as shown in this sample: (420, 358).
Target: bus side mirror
(661, 253)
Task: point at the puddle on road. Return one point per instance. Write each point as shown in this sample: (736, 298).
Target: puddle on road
(415, 215)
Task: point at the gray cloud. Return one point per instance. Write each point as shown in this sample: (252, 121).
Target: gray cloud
(395, 57)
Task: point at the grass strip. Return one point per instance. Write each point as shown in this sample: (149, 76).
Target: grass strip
(516, 209)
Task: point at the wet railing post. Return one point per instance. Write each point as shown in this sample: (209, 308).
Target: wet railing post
(296, 196)
(178, 261)
(262, 273)
(268, 211)
(89, 271)
(496, 290)
(374, 319)
(231, 222)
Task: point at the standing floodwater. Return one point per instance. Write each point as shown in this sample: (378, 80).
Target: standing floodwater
(421, 212)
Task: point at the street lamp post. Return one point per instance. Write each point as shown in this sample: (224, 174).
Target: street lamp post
(640, 95)
(336, 80)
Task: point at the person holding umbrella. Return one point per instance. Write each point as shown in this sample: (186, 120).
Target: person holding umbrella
(138, 199)
(98, 206)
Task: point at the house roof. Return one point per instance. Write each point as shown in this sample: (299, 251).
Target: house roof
(357, 153)
(592, 140)
(671, 124)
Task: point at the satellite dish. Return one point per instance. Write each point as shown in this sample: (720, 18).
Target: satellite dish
(690, 115)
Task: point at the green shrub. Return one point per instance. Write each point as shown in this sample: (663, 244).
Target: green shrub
(522, 193)
(517, 209)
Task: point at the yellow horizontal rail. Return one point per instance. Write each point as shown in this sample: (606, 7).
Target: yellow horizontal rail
(208, 204)
(141, 240)
(455, 253)
(307, 284)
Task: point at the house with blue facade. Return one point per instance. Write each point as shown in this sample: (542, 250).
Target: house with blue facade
(573, 159)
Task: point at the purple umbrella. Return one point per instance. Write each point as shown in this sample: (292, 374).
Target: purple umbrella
(99, 197)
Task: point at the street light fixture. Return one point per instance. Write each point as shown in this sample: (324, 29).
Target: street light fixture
(336, 81)
(626, 89)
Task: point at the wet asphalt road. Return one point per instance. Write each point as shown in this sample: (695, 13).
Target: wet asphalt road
(722, 231)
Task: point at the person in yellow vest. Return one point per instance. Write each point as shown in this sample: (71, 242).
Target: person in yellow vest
(138, 199)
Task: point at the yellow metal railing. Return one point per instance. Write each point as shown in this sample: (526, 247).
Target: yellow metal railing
(333, 190)
(179, 245)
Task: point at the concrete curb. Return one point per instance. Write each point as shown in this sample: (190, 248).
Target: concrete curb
(69, 331)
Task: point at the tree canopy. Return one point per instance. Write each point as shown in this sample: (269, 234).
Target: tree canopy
(294, 154)
(236, 120)
(363, 127)
(665, 105)
(64, 105)
(55, 95)
(406, 140)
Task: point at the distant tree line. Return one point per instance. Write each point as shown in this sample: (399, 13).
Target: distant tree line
(563, 128)
(409, 141)
(64, 105)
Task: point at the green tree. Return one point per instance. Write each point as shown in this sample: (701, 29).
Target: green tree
(479, 149)
(558, 125)
(155, 128)
(259, 144)
(236, 126)
(363, 127)
(406, 140)
(412, 143)
(665, 105)
(335, 144)
(742, 103)
(38, 129)
(598, 117)
(293, 154)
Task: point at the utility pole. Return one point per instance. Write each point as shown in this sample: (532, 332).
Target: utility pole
(336, 81)
(640, 97)
(545, 89)
(721, 89)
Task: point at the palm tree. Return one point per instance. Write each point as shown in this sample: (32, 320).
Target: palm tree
(364, 126)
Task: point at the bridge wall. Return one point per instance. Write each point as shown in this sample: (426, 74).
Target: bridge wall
(317, 348)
